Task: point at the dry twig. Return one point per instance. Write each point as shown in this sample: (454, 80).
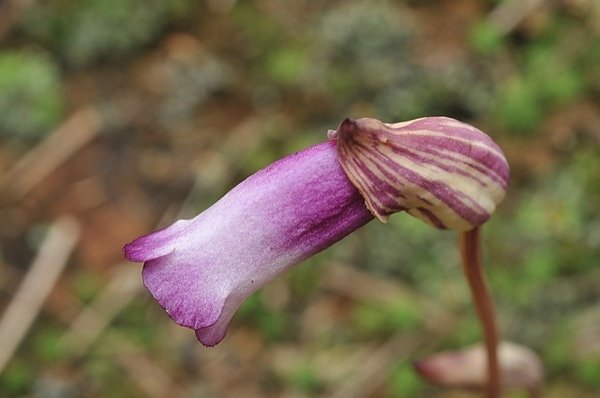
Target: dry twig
(150, 378)
(37, 284)
(92, 320)
(509, 14)
(41, 161)
(376, 366)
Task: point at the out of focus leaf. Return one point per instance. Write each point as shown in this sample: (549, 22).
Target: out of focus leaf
(91, 30)
(30, 95)
(486, 38)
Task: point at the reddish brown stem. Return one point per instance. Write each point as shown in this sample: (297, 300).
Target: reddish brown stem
(470, 249)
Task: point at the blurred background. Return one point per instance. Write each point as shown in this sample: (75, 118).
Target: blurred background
(120, 116)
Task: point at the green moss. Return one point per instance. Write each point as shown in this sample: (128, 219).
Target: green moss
(305, 279)
(17, 378)
(85, 286)
(485, 38)
(549, 76)
(556, 78)
(30, 95)
(588, 371)
(90, 30)
(273, 325)
(46, 345)
(558, 350)
(404, 382)
(305, 378)
(469, 330)
(379, 320)
(519, 106)
(287, 66)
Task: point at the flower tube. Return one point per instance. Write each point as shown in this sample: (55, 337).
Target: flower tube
(201, 270)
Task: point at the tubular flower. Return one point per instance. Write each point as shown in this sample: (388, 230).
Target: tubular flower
(438, 169)
(200, 270)
(520, 367)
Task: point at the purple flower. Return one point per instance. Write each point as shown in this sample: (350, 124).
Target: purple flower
(521, 368)
(201, 270)
(438, 169)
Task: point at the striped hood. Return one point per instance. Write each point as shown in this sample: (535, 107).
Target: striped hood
(442, 171)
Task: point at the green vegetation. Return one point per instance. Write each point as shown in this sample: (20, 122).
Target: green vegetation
(93, 30)
(30, 94)
(403, 382)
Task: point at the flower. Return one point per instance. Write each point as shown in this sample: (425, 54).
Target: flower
(438, 169)
(201, 270)
(521, 367)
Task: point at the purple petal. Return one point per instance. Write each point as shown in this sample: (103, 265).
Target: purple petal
(201, 270)
(155, 245)
(520, 367)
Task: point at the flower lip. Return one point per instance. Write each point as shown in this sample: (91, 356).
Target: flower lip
(154, 245)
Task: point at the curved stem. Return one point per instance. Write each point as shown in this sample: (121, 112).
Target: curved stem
(470, 249)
